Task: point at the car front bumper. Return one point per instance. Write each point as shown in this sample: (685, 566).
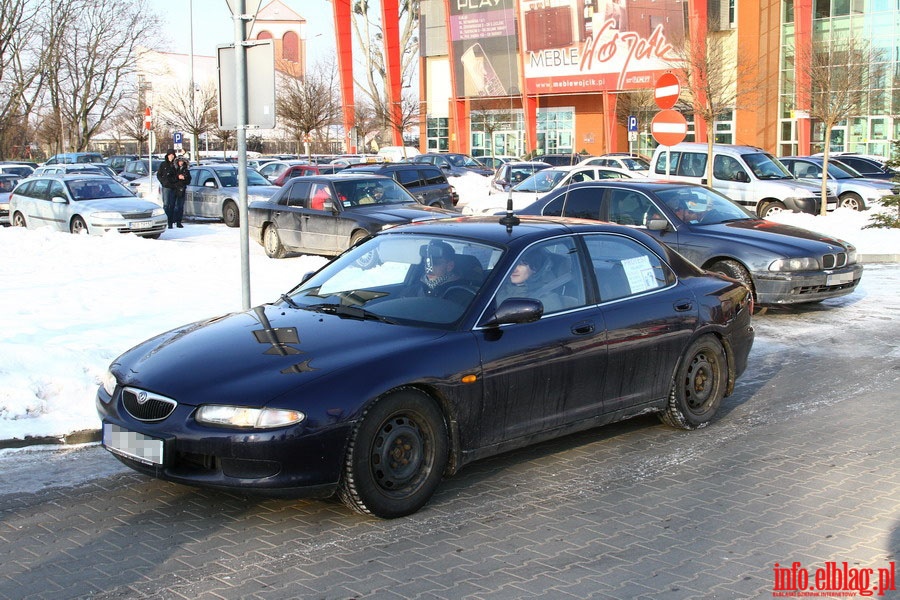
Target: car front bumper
(794, 288)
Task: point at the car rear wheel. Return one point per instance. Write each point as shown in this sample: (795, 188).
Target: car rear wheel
(768, 209)
(18, 220)
(735, 270)
(852, 200)
(230, 214)
(78, 226)
(396, 456)
(699, 385)
(272, 243)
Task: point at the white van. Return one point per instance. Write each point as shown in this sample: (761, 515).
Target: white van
(750, 176)
(396, 153)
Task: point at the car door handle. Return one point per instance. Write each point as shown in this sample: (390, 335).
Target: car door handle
(583, 328)
(683, 305)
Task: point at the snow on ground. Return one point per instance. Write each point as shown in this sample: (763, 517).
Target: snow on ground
(71, 304)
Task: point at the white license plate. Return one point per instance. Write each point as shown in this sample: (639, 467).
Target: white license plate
(839, 278)
(141, 224)
(134, 445)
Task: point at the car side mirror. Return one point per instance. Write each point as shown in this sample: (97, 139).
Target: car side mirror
(59, 200)
(742, 177)
(328, 206)
(516, 310)
(209, 183)
(657, 224)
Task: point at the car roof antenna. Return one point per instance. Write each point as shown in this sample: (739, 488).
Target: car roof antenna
(509, 219)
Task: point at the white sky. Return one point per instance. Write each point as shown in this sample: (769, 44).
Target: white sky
(72, 304)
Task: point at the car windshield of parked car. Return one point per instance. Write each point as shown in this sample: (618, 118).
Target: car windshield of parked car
(702, 206)
(520, 174)
(364, 192)
(636, 164)
(764, 166)
(96, 189)
(424, 281)
(542, 181)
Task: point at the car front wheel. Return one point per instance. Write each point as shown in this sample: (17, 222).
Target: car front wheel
(78, 226)
(699, 385)
(272, 243)
(396, 456)
(853, 201)
(18, 220)
(230, 214)
(769, 209)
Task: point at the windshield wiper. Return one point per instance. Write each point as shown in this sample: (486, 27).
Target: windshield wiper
(353, 312)
(290, 301)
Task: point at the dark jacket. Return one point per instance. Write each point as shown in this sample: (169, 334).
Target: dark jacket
(166, 172)
(181, 168)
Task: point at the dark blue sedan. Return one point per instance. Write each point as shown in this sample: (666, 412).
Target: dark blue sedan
(424, 348)
(781, 264)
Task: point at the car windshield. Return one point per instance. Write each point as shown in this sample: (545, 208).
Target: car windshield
(384, 279)
(764, 166)
(703, 206)
(542, 181)
(97, 189)
(228, 177)
(520, 174)
(636, 164)
(842, 171)
(364, 192)
(460, 160)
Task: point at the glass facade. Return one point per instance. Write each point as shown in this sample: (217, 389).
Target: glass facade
(502, 132)
(873, 22)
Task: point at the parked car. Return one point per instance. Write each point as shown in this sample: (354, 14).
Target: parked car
(135, 169)
(495, 162)
(329, 213)
(779, 263)
(117, 161)
(869, 167)
(213, 192)
(78, 203)
(540, 184)
(305, 169)
(748, 175)
(397, 153)
(562, 160)
(273, 169)
(621, 160)
(514, 173)
(328, 390)
(17, 169)
(7, 184)
(78, 168)
(68, 158)
(453, 164)
(853, 190)
(426, 183)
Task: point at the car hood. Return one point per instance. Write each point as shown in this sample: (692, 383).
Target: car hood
(125, 204)
(401, 213)
(759, 232)
(252, 358)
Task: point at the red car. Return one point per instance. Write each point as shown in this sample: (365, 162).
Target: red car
(300, 170)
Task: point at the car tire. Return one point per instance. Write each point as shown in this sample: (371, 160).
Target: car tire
(396, 456)
(735, 270)
(230, 215)
(18, 220)
(768, 209)
(272, 242)
(699, 385)
(852, 200)
(78, 226)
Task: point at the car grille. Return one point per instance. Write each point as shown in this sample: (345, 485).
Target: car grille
(144, 214)
(834, 261)
(145, 406)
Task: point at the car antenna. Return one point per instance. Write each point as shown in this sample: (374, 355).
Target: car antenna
(509, 219)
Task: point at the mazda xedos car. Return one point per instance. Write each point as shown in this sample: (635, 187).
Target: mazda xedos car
(326, 214)
(353, 383)
(91, 204)
(781, 264)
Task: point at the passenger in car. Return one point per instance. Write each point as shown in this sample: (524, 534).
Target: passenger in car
(532, 277)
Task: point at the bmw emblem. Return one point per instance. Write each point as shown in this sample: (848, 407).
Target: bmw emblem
(142, 398)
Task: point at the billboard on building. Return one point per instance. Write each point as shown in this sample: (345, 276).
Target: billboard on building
(484, 48)
(595, 45)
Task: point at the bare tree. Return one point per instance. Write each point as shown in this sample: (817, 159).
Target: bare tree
(844, 76)
(308, 106)
(711, 74)
(95, 62)
(190, 110)
(639, 103)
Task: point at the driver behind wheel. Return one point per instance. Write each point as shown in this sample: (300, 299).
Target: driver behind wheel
(438, 264)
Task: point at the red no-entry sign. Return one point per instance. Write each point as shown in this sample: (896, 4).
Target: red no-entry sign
(147, 120)
(667, 91)
(668, 127)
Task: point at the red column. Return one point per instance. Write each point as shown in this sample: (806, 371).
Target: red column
(699, 31)
(529, 107)
(344, 37)
(609, 114)
(802, 51)
(390, 18)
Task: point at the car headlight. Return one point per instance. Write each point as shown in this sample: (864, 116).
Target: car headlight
(795, 264)
(250, 418)
(106, 215)
(109, 383)
(157, 212)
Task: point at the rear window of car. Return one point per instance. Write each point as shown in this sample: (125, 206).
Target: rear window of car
(434, 177)
(408, 177)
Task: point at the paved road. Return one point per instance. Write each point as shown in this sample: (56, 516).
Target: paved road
(803, 466)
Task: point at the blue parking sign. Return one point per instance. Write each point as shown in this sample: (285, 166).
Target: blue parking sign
(632, 123)
(177, 138)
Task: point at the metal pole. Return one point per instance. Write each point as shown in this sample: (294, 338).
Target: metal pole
(240, 53)
(194, 139)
